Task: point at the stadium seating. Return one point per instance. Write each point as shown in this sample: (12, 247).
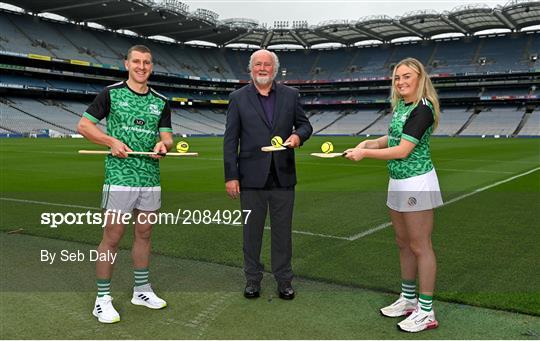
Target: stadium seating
(417, 49)
(31, 120)
(451, 120)
(532, 125)
(26, 34)
(518, 91)
(196, 122)
(503, 53)
(379, 127)
(23, 80)
(497, 121)
(352, 122)
(16, 40)
(63, 120)
(30, 34)
(322, 119)
(455, 56)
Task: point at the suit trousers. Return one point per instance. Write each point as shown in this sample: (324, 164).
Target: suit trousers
(279, 201)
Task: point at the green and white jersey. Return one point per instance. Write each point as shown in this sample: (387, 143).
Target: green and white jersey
(414, 124)
(135, 119)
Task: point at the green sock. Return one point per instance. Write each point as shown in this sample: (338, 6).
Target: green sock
(426, 302)
(408, 289)
(103, 286)
(141, 276)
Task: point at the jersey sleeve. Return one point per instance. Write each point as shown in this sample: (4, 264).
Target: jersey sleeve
(100, 107)
(165, 120)
(420, 119)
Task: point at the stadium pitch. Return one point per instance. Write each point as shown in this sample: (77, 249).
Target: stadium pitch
(486, 238)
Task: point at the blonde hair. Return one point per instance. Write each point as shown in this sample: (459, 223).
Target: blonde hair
(425, 88)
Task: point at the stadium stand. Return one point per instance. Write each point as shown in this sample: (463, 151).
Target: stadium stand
(532, 125)
(13, 39)
(352, 122)
(214, 115)
(322, 119)
(457, 93)
(47, 113)
(452, 120)
(23, 33)
(420, 50)
(518, 91)
(453, 55)
(20, 121)
(379, 126)
(494, 121)
(342, 82)
(503, 53)
(24, 80)
(199, 123)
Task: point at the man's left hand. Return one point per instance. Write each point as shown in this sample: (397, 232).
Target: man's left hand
(293, 140)
(159, 148)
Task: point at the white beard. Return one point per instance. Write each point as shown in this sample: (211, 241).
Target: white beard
(263, 80)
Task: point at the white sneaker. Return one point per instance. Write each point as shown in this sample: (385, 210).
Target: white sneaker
(401, 307)
(144, 295)
(419, 320)
(104, 310)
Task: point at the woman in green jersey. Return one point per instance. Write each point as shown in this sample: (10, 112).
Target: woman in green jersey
(413, 190)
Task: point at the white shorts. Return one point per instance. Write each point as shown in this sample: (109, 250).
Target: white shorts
(126, 198)
(417, 193)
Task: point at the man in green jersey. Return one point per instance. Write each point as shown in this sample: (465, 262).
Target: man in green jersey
(136, 115)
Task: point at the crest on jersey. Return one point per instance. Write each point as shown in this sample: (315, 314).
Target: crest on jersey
(154, 109)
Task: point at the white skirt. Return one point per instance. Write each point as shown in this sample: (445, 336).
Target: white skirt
(418, 193)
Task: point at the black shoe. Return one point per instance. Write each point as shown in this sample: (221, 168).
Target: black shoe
(252, 289)
(286, 291)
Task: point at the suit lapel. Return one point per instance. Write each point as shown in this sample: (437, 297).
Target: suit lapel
(256, 104)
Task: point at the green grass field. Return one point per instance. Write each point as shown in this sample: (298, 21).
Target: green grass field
(487, 243)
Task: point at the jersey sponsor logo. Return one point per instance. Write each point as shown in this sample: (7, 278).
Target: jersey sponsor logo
(123, 104)
(139, 130)
(154, 109)
(139, 122)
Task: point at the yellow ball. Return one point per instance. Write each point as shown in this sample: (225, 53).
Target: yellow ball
(277, 141)
(182, 146)
(327, 147)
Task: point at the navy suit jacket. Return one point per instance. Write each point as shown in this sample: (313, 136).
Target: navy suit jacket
(247, 130)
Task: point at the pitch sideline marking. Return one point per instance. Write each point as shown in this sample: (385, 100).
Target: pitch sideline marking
(451, 201)
(321, 235)
(97, 209)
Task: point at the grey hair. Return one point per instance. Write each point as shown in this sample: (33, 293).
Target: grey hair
(274, 57)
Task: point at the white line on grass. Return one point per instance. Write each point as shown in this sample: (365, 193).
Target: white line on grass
(370, 231)
(48, 203)
(451, 201)
(490, 186)
(307, 233)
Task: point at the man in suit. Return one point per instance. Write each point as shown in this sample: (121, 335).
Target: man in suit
(256, 113)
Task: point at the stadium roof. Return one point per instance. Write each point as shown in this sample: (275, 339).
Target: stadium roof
(172, 18)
